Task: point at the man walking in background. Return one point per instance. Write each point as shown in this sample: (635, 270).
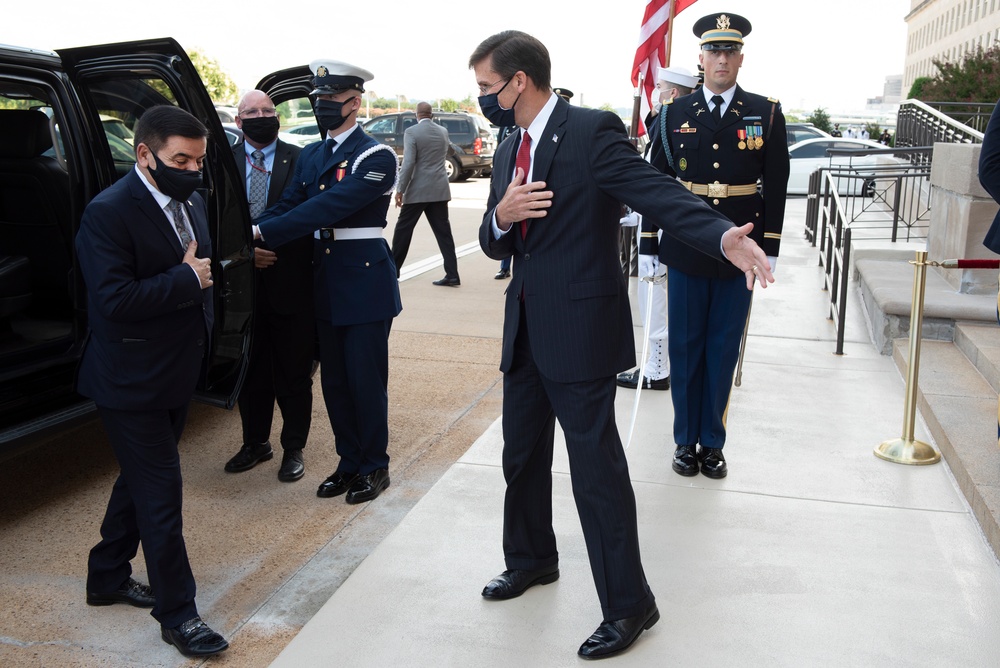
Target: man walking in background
(423, 189)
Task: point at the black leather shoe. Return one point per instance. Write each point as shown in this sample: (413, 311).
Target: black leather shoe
(292, 467)
(618, 635)
(336, 484)
(631, 379)
(502, 274)
(713, 463)
(249, 456)
(513, 583)
(368, 487)
(131, 592)
(194, 638)
(449, 282)
(686, 460)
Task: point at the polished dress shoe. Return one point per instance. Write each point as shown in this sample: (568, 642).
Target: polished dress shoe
(368, 487)
(618, 635)
(292, 467)
(686, 460)
(194, 638)
(713, 463)
(502, 274)
(513, 583)
(448, 281)
(131, 592)
(336, 484)
(249, 456)
(631, 379)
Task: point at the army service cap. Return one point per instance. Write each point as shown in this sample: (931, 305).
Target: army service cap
(564, 93)
(722, 32)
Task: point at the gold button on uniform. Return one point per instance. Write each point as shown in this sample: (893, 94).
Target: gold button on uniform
(367, 264)
(716, 165)
(715, 146)
(322, 187)
(327, 251)
(715, 201)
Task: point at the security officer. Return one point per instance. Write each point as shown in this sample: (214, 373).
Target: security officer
(340, 195)
(672, 83)
(720, 141)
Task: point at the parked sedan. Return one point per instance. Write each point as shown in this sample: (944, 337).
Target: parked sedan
(809, 155)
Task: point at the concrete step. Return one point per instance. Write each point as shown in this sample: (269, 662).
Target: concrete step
(959, 407)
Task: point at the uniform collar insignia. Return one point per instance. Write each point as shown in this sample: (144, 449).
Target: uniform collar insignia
(685, 125)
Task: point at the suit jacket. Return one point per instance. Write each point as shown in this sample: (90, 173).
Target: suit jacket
(355, 280)
(989, 175)
(705, 153)
(422, 177)
(287, 285)
(150, 320)
(567, 266)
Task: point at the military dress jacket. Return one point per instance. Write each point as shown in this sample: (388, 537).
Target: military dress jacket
(747, 147)
(347, 188)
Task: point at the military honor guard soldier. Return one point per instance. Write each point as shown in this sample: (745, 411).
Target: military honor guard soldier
(719, 141)
(339, 195)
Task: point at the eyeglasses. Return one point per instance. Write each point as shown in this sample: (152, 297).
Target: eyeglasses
(257, 113)
(485, 89)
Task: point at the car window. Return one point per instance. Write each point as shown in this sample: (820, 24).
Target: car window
(408, 122)
(812, 150)
(455, 126)
(381, 126)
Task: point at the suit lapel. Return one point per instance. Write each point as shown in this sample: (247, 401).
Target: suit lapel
(548, 143)
(279, 172)
(157, 216)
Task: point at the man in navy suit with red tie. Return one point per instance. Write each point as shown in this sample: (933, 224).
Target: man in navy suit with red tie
(145, 255)
(554, 204)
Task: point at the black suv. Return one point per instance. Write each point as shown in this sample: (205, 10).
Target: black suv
(57, 151)
(472, 140)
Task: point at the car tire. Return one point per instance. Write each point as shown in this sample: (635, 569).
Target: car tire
(453, 169)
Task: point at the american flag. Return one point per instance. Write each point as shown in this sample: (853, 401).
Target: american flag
(651, 52)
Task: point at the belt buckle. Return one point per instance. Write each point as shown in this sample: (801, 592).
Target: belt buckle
(718, 190)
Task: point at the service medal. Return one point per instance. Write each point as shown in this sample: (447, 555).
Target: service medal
(683, 164)
(341, 170)
(742, 134)
(758, 142)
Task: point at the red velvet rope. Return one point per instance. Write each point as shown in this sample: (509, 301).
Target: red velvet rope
(978, 264)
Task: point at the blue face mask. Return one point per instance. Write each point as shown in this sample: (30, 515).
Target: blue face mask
(494, 113)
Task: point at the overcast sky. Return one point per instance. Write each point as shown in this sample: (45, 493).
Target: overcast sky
(806, 53)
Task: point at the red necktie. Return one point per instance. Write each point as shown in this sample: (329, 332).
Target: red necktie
(523, 161)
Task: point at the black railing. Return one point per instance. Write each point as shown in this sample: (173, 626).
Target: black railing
(918, 124)
(972, 114)
(873, 202)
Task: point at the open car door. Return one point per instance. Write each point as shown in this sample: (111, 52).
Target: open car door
(120, 81)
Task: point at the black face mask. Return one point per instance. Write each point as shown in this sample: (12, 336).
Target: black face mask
(262, 130)
(494, 113)
(175, 183)
(329, 114)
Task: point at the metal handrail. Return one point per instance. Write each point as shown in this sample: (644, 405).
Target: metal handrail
(918, 124)
(973, 114)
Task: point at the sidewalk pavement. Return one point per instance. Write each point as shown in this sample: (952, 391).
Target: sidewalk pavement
(812, 552)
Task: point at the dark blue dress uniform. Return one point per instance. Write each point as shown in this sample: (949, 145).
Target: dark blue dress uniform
(343, 194)
(708, 300)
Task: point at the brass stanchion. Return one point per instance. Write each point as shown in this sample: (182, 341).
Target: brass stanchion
(906, 450)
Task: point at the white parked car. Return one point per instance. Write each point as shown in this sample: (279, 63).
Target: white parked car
(808, 155)
(300, 135)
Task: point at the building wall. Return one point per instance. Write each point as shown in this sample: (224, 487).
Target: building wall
(946, 30)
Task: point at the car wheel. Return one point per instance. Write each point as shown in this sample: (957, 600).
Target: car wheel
(453, 169)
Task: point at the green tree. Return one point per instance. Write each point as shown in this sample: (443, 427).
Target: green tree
(976, 78)
(607, 107)
(221, 87)
(917, 89)
(820, 119)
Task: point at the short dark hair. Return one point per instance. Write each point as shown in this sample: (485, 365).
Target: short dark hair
(158, 124)
(513, 51)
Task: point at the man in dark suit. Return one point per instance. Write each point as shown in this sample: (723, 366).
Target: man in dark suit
(145, 255)
(340, 195)
(989, 177)
(554, 205)
(720, 141)
(281, 355)
(423, 189)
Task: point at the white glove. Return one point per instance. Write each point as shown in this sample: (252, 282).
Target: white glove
(649, 265)
(631, 220)
(773, 261)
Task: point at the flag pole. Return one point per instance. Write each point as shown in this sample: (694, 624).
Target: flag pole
(633, 130)
(670, 33)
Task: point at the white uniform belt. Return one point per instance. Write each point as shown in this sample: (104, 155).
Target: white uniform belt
(347, 233)
(720, 189)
